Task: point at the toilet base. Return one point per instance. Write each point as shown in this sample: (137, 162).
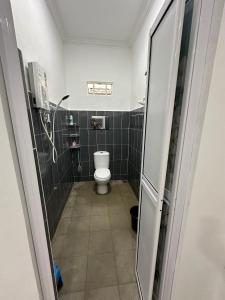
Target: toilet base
(102, 189)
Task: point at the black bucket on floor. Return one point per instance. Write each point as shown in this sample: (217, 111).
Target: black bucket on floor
(134, 217)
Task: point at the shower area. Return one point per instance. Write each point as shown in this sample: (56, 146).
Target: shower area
(71, 159)
(88, 233)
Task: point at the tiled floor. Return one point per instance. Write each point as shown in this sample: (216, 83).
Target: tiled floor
(95, 246)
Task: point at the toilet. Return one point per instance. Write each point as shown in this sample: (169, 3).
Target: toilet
(102, 173)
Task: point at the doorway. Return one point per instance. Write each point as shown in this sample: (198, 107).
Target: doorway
(167, 74)
(174, 140)
(89, 235)
(43, 264)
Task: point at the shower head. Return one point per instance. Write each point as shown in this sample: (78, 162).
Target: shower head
(65, 97)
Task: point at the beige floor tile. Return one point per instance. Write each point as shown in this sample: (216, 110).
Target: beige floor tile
(100, 199)
(58, 245)
(67, 212)
(118, 186)
(83, 200)
(75, 244)
(71, 200)
(126, 187)
(74, 274)
(115, 206)
(73, 296)
(91, 256)
(129, 292)
(73, 192)
(101, 271)
(99, 223)
(107, 293)
(81, 210)
(85, 188)
(117, 182)
(82, 207)
(128, 194)
(125, 264)
(123, 239)
(129, 202)
(79, 185)
(99, 208)
(100, 242)
(79, 224)
(119, 221)
(63, 226)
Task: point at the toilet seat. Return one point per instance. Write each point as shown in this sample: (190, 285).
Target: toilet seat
(102, 174)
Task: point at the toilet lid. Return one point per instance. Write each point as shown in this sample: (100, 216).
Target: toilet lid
(102, 173)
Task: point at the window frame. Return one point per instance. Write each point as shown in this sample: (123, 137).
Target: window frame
(106, 83)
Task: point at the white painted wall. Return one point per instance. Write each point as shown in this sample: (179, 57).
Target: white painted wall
(200, 272)
(84, 63)
(40, 41)
(17, 277)
(139, 54)
(125, 67)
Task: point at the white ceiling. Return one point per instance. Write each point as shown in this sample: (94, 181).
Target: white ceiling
(112, 21)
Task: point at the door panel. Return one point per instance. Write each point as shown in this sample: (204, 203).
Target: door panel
(165, 38)
(148, 222)
(158, 108)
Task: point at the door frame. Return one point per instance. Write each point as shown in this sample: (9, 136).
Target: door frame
(20, 122)
(38, 240)
(199, 70)
(173, 69)
(203, 41)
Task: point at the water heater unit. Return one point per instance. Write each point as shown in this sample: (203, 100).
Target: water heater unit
(38, 85)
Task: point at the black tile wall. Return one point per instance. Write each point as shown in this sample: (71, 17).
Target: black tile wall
(115, 140)
(55, 179)
(122, 139)
(135, 148)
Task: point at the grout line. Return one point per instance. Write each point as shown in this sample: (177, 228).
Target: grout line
(114, 257)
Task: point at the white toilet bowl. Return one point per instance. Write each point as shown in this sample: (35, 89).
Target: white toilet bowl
(102, 173)
(102, 177)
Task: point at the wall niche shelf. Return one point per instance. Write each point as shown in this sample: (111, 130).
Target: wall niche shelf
(73, 125)
(72, 134)
(74, 147)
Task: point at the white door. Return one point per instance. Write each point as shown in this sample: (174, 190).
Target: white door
(164, 50)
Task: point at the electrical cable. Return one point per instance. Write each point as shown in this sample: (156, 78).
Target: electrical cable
(52, 136)
(49, 137)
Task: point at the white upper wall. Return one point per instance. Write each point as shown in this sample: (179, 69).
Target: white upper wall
(140, 55)
(126, 67)
(101, 63)
(200, 273)
(39, 40)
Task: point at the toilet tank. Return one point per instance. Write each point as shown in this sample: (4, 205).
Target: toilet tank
(101, 159)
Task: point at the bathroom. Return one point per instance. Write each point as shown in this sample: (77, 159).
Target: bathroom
(104, 127)
(98, 126)
(90, 177)
(82, 212)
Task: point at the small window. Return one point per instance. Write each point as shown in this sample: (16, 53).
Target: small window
(99, 88)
